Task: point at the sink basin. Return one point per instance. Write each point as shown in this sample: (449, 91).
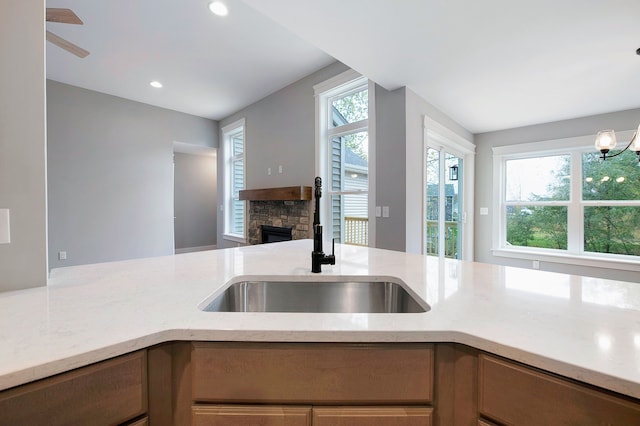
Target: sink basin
(319, 297)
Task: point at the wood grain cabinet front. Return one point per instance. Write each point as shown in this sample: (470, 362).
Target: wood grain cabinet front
(313, 373)
(512, 394)
(372, 416)
(243, 415)
(107, 393)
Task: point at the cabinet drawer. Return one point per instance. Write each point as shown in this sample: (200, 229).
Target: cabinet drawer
(372, 416)
(516, 395)
(312, 373)
(238, 415)
(109, 392)
(141, 422)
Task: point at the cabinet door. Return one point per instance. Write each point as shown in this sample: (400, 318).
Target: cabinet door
(372, 416)
(516, 395)
(243, 415)
(312, 373)
(109, 392)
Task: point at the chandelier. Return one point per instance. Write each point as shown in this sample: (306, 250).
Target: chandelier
(606, 141)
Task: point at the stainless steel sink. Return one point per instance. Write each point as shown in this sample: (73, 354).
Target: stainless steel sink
(300, 296)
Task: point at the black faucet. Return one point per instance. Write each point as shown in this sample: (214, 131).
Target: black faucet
(318, 257)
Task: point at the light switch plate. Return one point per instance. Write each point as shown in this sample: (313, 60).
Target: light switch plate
(385, 211)
(484, 211)
(5, 228)
(378, 211)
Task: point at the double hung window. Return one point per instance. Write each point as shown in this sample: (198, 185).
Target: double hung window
(568, 202)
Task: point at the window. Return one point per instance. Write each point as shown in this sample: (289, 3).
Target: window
(566, 201)
(343, 155)
(233, 137)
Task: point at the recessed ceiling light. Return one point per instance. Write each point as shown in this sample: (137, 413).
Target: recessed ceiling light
(155, 84)
(218, 8)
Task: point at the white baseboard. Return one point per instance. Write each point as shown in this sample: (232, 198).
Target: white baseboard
(193, 249)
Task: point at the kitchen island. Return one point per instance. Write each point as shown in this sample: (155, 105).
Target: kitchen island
(583, 329)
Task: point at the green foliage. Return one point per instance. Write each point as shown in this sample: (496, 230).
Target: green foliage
(356, 142)
(519, 227)
(607, 229)
(352, 108)
(611, 229)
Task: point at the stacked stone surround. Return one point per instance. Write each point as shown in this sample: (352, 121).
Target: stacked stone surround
(289, 214)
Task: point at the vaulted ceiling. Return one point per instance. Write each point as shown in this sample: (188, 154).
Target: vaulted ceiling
(489, 64)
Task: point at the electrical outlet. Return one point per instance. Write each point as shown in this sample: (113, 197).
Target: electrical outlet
(536, 264)
(62, 255)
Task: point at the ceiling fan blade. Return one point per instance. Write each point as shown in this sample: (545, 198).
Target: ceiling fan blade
(64, 16)
(66, 45)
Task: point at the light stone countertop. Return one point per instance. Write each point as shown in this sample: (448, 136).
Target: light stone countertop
(583, 328)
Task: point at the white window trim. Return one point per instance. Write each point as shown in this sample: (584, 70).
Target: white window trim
(440, 137)
(323, 91)
(577, 256)
(227, 131)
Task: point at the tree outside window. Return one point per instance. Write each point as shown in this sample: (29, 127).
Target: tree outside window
(540, 207)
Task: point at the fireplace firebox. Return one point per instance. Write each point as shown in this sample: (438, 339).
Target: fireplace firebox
(273, 234)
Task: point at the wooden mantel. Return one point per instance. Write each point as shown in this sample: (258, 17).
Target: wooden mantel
(287, 193)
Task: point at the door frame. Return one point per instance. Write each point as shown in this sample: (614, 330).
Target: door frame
(437, 136)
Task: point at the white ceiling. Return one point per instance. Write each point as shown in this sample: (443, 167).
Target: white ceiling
(210, 66)
(489, 65)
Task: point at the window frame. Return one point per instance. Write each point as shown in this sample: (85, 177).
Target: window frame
(228, 133)
(440, 138)
(342, 85)
(575, 252)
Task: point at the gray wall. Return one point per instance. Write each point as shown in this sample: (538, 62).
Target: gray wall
(23, 262)
(110, 174)
(195, 178)
(624, 120)
(280, 130)
(390, 167)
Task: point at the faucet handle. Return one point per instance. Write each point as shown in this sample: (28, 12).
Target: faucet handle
(331, 259)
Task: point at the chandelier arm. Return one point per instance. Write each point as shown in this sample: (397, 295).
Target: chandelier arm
(625, 148)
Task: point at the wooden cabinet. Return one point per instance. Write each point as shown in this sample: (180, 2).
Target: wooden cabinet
(372, 416)
(513, 394)
(269, 415)
(109, 392)
(312, 373)
(318, 384)
(391, 384)
(141, 422)
(241, 415)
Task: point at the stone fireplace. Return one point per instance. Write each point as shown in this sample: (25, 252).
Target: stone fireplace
(288, 207)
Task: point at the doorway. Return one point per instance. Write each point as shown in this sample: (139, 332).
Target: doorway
(444, 204)
(194, 200)
(448, 169)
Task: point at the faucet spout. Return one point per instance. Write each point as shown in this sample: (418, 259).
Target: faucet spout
(318, 258)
